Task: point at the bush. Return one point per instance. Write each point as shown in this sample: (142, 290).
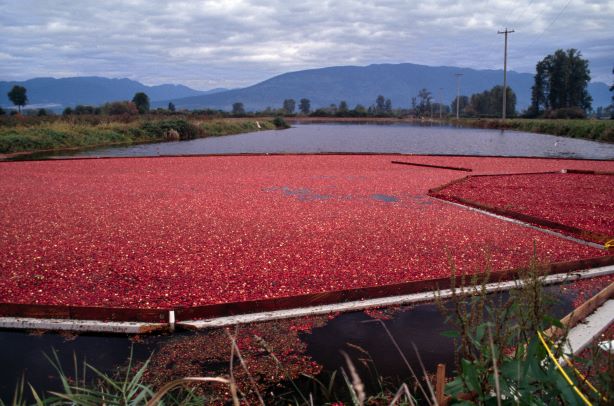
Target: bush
(568, 112)
(279, 122)
(120, 108)
(166, 128)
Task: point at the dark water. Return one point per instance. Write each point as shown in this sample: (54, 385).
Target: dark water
(420, 325)
(25, 354)
(22, 353)
(388, 138)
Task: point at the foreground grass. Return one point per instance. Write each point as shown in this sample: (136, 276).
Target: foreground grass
(597, 130)
(60, 134)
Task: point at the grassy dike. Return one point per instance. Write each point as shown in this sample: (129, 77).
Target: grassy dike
(64, 134)
(597, 130)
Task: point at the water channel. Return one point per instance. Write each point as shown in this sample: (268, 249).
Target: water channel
(370, 138)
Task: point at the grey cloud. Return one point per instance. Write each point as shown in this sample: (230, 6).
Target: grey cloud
(234, 43)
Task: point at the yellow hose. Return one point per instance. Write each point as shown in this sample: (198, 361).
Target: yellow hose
(580, 374)
(560, 368)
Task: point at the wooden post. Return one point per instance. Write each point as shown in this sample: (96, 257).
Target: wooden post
(440, 384)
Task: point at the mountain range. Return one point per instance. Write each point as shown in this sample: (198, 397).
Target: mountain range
(324, 86)
(92, 90)
(362, 84)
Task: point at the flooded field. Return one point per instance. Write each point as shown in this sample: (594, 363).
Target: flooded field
(384, 195)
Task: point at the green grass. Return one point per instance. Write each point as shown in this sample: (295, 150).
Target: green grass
(64, 134)
(597, 130)
(234, 126)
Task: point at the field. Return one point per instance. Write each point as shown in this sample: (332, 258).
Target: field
(180, 232)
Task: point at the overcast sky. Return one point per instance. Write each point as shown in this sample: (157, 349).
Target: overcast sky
(235, 43)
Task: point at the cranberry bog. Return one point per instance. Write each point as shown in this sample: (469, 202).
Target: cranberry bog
(206, 236)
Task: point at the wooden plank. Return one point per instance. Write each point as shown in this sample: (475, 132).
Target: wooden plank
(453, 168)
(445, 185)
(83, 312)
(579, 314)
(112, 327)
(587, 172)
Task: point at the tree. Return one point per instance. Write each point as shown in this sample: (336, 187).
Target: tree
(289, 106)
(388, 106)
(612, 105)
(2, 112)
(141, 101)
(463, 102)
(488, 103)
(424, 105)
(238, 109)
(171, 107)
(304, 106)
(343, 107)
(561, 82)
(380, 104)
(119, 108)
(81, 109)
(18, 96)
(538, 91)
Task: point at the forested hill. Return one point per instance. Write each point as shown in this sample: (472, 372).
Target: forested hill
(362, 84)
(90, 91)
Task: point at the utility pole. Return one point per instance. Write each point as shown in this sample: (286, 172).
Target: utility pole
(506, 31)
(440, 100)
(458, 75)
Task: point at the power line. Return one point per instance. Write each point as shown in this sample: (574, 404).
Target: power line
(550, 25)
(522, 14)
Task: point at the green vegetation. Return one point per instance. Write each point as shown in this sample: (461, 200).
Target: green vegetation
(279, 122)
(561, 82)
(289, 105)
(23, 134)
(597, 130)
(489, 103)
(18, 96)
(141, 101)
(304, 106)
(499, 350)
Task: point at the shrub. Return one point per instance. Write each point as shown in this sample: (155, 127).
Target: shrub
(568, 112)
(120, 108)
(279, 122)
(162, 129)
